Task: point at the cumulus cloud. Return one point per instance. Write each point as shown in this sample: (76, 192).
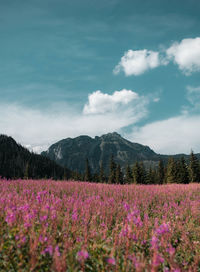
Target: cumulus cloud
(99, 102)
(186, 55)
(171, 136)
(137, 62)
(37, 129)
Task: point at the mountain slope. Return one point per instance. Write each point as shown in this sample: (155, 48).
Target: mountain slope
(72, 152)
(17, 162)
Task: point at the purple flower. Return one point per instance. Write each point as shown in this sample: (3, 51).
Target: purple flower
(82, 255)
(162, 229)
(49, 250)
(158, 260)
(10, 218)
(74, 216)
(43, 218)
(111, 261)
(154, 242)
(171, 250)
(57, 251)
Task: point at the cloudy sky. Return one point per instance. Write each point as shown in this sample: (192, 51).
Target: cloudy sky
(69, 68)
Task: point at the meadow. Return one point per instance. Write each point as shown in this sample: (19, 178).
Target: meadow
(48, 225)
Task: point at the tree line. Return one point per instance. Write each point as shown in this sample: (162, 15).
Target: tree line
(17, 162)
(176, 171)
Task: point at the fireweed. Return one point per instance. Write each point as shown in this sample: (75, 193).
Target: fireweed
(78, 226)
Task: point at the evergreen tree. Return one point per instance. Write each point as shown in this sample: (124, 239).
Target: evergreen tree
(65, 174)
(119, 175)
(112, 174)
(102, 177)
(194, 168)
(161, 172)
(182, 173)
(151, 176)
(143, 174)
(129, 178)
(87, 171)
(26, 171)
(138, 173)
(171, 175)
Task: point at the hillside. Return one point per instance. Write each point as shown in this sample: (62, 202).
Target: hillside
(17, 162)
(72, 152)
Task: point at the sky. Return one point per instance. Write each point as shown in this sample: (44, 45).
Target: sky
(89, 67)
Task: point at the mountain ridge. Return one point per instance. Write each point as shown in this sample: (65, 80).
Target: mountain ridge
(72, 152)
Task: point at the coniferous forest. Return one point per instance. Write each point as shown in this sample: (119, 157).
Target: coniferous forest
(17, 162)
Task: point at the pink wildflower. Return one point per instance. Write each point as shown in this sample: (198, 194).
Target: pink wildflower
(111, 261)
(82, 255)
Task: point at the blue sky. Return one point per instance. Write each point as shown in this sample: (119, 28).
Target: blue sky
(91, 67)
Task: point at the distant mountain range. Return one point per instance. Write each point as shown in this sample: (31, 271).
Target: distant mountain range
(72, 152)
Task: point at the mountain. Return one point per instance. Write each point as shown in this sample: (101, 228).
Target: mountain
(17, 162)
(72, 152)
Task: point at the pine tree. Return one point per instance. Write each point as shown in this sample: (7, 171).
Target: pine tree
(112, 174)
(171, 171)
(119, 175)
(151, 176)
(182, 173)
(136, 173)
(129, 178)
(143, 174)
(194, 168)
(161, 172)
(87, 171)
(101, 174)
(26, 171)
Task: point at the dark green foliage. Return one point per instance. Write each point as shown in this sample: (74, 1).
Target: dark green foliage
(87, 171)
(194, 168)
(171, 175)
(112, 174)
(102, 177)
(17, 162)
(119, 175)
(139, 173)
(151, 176)
(182, 172)
(161, 172)
(128, 175)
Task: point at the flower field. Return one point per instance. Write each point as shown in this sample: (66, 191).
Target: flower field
(79, 226)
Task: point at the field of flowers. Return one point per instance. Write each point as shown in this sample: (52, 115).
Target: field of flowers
(77, 226)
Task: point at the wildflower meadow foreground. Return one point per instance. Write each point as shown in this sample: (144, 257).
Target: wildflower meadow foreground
(79, 226)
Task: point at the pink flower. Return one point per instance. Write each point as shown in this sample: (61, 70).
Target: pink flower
(157, 260)
(171, 250)
(162, 229)
(82, 255)
(57, 251)
(49, 250)
(154, 242)
(10, 218)
(111, 261)
(43, 218)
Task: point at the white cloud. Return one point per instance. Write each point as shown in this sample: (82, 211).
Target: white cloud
(37, 129)
(171, 136)
(99, 102)
(186, 55)
(193, 95)
(137, 62)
